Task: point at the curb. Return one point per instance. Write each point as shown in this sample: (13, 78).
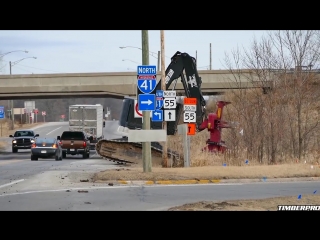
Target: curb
(215, 181)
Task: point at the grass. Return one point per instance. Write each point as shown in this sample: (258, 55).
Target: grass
(211, 172)
(4, 127)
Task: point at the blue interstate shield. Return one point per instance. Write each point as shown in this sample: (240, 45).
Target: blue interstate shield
(159, 101)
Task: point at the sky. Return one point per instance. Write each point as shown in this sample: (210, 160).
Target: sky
(99, 51)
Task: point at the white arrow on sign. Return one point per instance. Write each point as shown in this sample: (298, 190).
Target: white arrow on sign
(158, 114)
(147, 102)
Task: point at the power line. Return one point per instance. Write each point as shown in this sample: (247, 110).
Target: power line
(23, 69)
(41, 69)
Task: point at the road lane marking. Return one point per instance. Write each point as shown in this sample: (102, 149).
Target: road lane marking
(53, 130)
(8, 184)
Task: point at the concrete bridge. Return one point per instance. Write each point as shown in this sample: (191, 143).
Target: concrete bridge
(105, 84)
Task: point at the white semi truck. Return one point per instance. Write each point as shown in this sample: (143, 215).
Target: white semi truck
(89, 119)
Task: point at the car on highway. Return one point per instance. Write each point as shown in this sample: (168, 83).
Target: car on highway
(75, 143)
(46, 148)
(23, 139)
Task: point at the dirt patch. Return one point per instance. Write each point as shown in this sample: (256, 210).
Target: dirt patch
(268, 204)
(210, 172)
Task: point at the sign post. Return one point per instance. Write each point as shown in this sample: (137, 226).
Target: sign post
(36, 111)
(189, 118)
(146, 84)
(2, 115)
(44, 116)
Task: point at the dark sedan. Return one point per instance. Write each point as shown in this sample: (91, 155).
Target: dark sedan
(23, 139)
(46, 148)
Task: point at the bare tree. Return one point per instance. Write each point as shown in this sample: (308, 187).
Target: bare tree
(281, 64)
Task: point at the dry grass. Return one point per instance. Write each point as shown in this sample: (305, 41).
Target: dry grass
(5, 132)
(211, 172)
(268, 204)
(2, 146)
(4, 125)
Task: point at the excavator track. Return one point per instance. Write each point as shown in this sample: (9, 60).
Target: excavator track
(123, 152)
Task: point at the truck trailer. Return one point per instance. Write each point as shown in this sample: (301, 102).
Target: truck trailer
(89, 119)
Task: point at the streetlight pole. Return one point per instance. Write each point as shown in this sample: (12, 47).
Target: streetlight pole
(11, 64)
(1, 56)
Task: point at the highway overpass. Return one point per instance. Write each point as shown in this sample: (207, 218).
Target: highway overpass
(104, 84)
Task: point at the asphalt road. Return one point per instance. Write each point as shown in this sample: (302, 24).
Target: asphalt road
(142, 198)
(62, 185)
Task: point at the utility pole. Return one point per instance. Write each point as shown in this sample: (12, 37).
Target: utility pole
(210, 58)
(146, 146)
(158, 67)
(11, 104)
(163, 87)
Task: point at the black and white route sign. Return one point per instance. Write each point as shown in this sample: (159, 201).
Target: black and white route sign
(169, 103)
(170, 94)
(189, 117)
(170, 115)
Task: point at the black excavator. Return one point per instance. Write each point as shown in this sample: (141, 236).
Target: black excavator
(119, 150)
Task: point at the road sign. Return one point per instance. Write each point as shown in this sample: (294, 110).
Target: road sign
(159, 102)
(147, 70)
(191, 129)
(169, 103)
(62, 116)
(190, 101)
(189, 117)
(191, 108)
(44, 113)
(159, 93)
(169, 94)
(147, 85)
(157, 116)
(147, 102)
(137, 112)
(36, 111)
(170, 115)
(2, 112)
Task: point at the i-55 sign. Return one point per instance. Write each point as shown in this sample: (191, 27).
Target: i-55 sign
(169, 103)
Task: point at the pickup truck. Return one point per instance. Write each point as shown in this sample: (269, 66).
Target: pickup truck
(75, 143)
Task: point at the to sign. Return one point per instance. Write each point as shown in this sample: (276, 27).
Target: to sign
(36, 111)
(190, 101)
(189, 117)
(169, 103)
(44, 113)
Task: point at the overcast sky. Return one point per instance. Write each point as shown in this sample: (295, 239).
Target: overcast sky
(99, 51)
